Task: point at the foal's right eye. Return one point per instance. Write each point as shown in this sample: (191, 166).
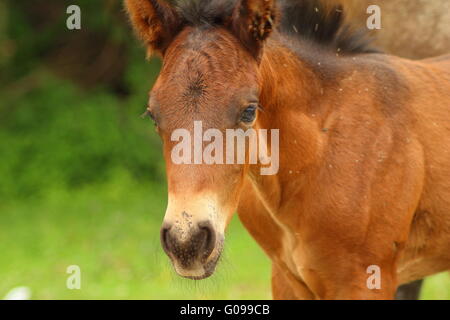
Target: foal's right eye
(148, 114)
(249, 114)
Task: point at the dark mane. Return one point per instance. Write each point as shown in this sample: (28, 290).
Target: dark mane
(309, 20)
(205, 12)
(324, 25)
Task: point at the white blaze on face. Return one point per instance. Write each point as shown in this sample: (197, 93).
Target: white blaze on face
(185, 214)
(187, 211)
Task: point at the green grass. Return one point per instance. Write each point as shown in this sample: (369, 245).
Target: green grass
(111, 232)
(437, 287)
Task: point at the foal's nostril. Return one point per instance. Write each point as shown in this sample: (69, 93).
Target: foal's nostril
(209, 239)
(165, 237)
(188, 246)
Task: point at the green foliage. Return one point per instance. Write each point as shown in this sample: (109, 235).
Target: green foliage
(56, 134)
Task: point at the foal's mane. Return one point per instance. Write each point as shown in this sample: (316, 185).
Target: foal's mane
(310, 20)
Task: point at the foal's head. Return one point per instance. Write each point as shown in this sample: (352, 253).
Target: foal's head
(211, 51)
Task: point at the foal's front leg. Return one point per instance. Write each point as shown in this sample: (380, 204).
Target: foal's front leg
(344, 261)
(347, 255)
(285, 286)
(346, 276)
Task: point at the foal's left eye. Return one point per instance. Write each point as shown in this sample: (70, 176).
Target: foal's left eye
(148, 114)
(249, 114)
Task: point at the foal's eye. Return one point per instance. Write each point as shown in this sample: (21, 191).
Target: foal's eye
(148, 114)
(249, 114)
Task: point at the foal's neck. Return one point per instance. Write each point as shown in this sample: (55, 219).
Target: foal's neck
(296, 97)
(295, 100)
(298, 78)
(285, 78)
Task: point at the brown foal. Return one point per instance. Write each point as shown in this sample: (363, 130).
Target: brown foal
(364, 168)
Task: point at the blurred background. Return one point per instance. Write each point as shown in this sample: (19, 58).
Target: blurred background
(81, 173)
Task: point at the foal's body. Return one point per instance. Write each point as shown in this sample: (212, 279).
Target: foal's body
(364, 179)
(365, 182)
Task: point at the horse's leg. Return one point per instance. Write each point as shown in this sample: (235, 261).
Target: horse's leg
(334, 269)
(348, 278)
(281, 289)
(409, 291)
(363, 292)
(286, 287)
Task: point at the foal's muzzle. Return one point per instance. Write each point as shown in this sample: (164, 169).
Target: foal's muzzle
(191, 249)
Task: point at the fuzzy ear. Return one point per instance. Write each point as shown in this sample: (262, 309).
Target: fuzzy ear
(156, 22)
(253, 21)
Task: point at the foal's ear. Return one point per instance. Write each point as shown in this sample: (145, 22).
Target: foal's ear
(156, 22)
(253, 21)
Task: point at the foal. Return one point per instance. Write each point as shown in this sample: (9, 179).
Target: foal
(364, 169)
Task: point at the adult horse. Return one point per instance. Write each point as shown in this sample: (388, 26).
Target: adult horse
(412, 29)
(364, 176)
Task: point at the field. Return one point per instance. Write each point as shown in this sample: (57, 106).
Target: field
(112, 234)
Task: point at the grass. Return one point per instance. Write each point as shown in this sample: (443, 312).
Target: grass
(111, 232)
